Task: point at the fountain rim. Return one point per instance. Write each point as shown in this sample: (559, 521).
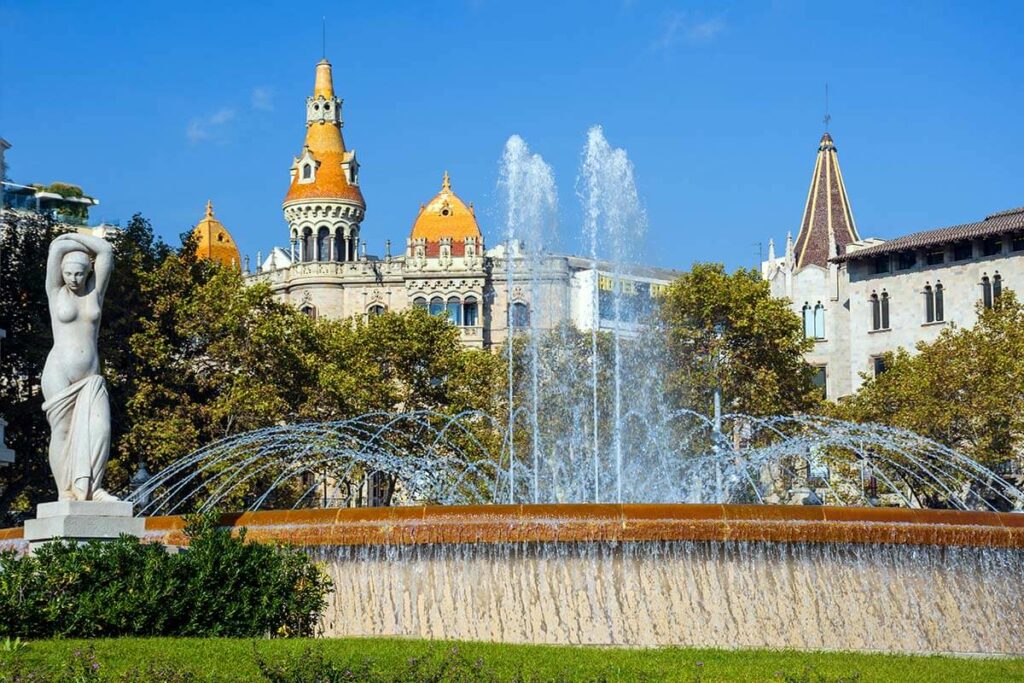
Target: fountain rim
(590, 522)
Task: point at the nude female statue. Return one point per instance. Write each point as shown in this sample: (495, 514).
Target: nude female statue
(76, 402)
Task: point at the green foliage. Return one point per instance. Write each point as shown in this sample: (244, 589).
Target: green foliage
(962, 390)
(219, 586)
(727, 329)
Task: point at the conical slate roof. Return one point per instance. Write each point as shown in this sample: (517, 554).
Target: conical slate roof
(827, 226)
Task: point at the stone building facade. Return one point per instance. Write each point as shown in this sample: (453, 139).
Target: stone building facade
(861, 298)
(445, 266)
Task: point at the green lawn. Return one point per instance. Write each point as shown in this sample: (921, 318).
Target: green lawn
(235, 660)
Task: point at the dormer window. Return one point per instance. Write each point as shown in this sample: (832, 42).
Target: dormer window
(307, 171)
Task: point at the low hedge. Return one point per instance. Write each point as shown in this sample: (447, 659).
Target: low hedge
(219, 586)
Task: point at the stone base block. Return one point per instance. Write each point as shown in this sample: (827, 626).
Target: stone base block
(82, 520)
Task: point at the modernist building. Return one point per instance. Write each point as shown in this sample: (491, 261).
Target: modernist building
(445, 266)
(861, 298)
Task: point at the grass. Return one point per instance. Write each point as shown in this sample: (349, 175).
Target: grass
(235, 660)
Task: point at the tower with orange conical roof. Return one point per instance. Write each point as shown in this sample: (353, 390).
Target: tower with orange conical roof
(324, 206)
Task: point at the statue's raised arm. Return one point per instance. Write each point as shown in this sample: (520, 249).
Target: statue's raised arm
(77, 407)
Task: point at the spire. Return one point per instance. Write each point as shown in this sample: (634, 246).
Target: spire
(209, 208)
(446, 183)
(827, 225)
(324, 86)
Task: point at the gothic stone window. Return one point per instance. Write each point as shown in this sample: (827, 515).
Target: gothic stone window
(437, 306)
(419, 302)
(878, 365)
(820, 379)
(454, 309)
(308, 310)
(469, 311)
(933, 303)
(520, 314)
(880, 311)
(375, 311)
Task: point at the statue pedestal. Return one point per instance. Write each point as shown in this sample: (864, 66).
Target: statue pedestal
(81, 521)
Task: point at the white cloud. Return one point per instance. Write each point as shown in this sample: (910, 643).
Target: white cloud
(262, 98)
(679, 26)
(209, 127)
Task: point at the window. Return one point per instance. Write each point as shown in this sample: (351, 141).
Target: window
(820, 379)
(935, 258)
(986, 291)
(929, 304)
(878, 365)
(454, 309)
(808, 321)
(419, 302)
(876, 313)
(885, 311)
(882, 264)
(469, 311)
(906, 260)
(819, 321)
(962, 251)
(307, 171)
(520, 315)
(1017, 244)
(323, 244)
(309, 311)
(993, 246)
(997, 286)
(307, 245)
(939, 313)
(376, 310)
(436, 306)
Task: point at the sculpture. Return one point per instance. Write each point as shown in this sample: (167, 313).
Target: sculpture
(76, 402)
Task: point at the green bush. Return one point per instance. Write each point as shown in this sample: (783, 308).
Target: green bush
(219, 586)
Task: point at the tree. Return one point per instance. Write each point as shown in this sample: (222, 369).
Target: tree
(728, 330)
(962, 390)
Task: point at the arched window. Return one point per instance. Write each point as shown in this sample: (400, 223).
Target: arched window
(997, 286)
(876, 313)
(819, 321)
(520, 315)
(375, 310)
(419, 302)
(929, 304)
(323, 244)
(469, 311)
(307, 171)
(808, 321)
(308, 310)
(307, 245)
(455, 310)
(885, 310)
(436, 306)
(986, 291)
(939, 313)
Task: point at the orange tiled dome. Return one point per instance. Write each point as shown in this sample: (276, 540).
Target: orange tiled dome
(446, 216)
(327, 147)
(214, 242)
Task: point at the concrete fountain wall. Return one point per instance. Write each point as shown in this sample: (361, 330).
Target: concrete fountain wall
(643, 575)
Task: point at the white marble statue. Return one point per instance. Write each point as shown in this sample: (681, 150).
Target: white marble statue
(76, 402)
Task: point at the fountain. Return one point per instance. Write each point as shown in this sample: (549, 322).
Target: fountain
(599, 515)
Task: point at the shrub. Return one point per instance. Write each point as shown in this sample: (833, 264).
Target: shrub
(219, 586)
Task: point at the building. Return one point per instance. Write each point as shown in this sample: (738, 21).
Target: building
(445, 267)
(862, 298)
(214, 242)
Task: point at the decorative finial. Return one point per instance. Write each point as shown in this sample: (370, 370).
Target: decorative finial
(324, 38)
(446, 183)
(209, 208)
(828, 117)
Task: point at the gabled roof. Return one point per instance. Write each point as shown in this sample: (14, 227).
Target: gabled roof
(994, 225)
(827, 225)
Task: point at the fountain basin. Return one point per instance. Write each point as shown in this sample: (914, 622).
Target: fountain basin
(894, 580)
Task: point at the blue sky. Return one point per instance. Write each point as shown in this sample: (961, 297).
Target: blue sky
(156, 107)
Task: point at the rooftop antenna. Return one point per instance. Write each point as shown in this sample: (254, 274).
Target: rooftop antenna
(324, 38)
(828, 117)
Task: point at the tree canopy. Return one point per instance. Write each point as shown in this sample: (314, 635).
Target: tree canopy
(727, 329)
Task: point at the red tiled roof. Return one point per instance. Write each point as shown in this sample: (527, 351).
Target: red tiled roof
(995, 224)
